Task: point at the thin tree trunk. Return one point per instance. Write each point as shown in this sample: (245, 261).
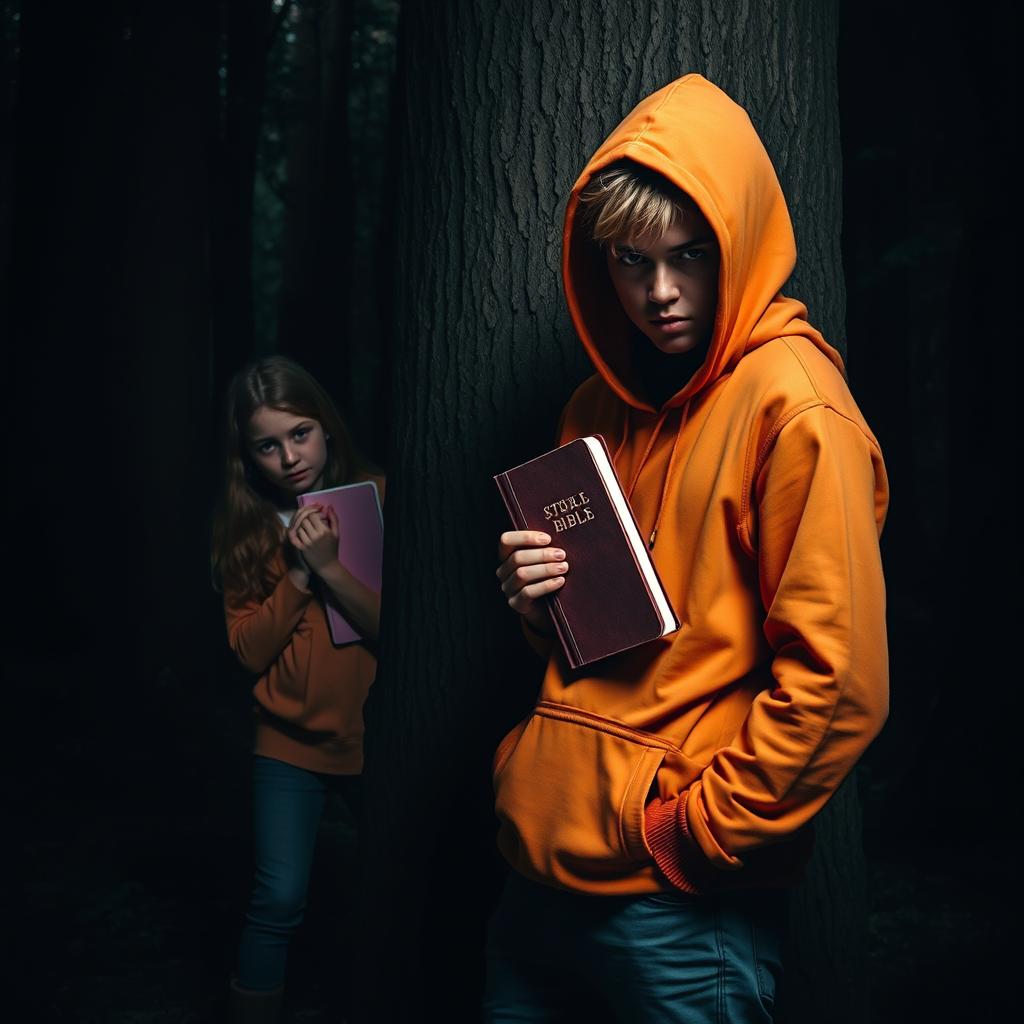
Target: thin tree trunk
(502, 105)
(373, 161)
(70, 179)
(335, 240)
(248, 32)
(298, 313)
(9, 32)
(315, 293)
(165, 323)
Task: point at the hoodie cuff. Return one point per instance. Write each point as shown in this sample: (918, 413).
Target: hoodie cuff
(674, 849)
(541, 643)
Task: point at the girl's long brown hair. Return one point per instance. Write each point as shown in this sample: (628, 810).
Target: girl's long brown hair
(247, 533)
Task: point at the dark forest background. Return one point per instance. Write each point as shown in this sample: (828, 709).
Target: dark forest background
(183, 187)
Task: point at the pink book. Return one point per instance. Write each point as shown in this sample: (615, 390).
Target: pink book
(360, 543)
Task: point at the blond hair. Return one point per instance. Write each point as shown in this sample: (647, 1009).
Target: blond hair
(629, 201)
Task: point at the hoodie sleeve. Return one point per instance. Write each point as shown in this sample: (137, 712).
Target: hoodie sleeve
(540, 643)
(821, 496)
(258, 631)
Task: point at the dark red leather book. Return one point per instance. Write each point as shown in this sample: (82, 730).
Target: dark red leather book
(612, 598)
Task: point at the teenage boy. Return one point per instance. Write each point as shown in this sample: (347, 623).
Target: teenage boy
(656, 804)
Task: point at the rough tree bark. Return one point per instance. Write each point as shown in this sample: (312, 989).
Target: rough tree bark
(501, 105)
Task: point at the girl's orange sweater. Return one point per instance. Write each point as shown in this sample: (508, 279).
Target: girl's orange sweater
(309, 695)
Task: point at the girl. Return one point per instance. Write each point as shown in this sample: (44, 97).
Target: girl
(274, 562)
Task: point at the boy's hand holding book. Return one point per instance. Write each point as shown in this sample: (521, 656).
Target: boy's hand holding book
(530, 570)
(614, 599)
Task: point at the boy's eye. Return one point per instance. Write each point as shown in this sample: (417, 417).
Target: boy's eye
(628, 257)
(692, 254)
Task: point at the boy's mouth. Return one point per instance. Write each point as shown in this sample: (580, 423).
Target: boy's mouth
(671, 324)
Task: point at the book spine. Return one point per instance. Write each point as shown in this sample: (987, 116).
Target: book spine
(572, 652)
(515, 512)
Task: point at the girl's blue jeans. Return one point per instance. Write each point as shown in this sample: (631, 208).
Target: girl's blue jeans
(666, 958)
(288, 803)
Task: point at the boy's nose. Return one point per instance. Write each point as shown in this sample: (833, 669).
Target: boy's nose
(663, 289)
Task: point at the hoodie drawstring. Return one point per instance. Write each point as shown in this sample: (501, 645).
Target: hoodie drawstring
(625, 436)
(684, 416)
(647, 451)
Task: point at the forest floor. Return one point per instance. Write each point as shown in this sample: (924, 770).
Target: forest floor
(131, 919)
(126, 904)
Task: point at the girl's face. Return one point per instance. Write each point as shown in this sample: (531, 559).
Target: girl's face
(289, 451)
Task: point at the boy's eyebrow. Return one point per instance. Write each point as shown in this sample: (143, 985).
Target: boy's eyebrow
(699, 240)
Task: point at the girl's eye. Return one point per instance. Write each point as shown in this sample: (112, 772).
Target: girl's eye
(266, 448)
(692, 254)
(300, 433)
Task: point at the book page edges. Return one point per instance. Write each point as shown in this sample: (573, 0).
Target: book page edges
(606, 470)
(311, 495)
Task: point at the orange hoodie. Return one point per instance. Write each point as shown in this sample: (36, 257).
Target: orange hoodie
(698, 760)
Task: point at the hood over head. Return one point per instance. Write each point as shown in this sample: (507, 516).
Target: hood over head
(703, 142)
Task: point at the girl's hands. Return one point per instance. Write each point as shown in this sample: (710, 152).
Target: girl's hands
(530, 569)
(314, 535)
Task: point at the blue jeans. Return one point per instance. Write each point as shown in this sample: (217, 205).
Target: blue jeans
(288, 803)
(554, 955)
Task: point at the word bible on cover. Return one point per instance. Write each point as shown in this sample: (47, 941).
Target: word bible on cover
(612, 598)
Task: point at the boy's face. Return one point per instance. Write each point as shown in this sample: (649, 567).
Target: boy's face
(668, 286)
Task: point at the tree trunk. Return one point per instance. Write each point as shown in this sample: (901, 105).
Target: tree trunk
(165, 323)
(373, 159)
(109, 361)
(297, 319)
(9, 31)
(502, 105)
(314, 322)
(71, 151)
(248, 33)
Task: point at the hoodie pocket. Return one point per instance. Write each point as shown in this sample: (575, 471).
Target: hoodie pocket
(570, 792)
(505, 748)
